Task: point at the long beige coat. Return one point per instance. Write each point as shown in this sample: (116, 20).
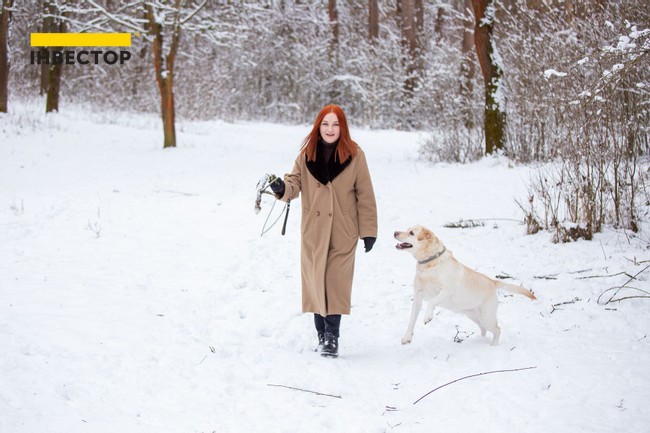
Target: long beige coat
(335, 214)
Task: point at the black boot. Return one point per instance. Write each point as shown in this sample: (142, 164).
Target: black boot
(321, 342)
(331, 346)
(319, 321)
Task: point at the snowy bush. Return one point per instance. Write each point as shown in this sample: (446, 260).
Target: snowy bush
(579, 97)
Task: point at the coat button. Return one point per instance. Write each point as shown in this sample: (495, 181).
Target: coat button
(318, 185)
(330, 214)
(317, 213)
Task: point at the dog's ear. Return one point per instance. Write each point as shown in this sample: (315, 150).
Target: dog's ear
(425, 234)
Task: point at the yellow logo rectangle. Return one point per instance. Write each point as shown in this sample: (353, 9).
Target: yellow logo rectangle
(80, 39)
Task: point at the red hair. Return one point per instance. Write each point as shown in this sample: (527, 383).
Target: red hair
(346, 147)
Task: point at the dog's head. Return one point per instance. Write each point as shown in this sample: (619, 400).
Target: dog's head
(419, 241)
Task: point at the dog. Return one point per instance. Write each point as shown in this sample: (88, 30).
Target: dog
(447, 283)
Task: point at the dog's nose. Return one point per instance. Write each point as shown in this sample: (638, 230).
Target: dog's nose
(396, 233)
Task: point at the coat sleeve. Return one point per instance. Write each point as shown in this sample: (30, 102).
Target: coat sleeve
(292, 181)
(366, 204)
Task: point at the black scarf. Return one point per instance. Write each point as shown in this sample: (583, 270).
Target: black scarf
(326, 171)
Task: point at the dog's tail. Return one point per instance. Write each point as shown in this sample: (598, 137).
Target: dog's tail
(516, 289)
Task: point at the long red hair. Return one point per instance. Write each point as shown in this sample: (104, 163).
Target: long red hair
(346, 147)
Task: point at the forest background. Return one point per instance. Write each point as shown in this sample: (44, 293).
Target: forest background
(560, 81)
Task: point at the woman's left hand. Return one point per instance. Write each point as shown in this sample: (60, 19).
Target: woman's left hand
(368, 243)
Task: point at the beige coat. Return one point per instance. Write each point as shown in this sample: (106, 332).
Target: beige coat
(335, 214)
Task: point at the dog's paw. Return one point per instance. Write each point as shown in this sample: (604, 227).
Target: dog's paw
(407, 340)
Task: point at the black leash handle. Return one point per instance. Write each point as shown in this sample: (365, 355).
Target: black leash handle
(286, 217)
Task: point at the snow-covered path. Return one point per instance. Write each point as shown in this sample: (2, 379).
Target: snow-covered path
(137, 295)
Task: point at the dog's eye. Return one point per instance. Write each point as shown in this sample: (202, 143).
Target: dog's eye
(411, 233)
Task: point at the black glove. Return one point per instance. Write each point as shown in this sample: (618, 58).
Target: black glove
(368, 243)
(278, 186)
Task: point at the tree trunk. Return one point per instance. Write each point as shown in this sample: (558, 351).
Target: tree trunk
(373, 20)
(467, 70)
(54, 71)
(168, 113)
(495, 116)
(334, 92)
(419, 19)
(48, 27)
(438, 27)
(334, 22)
(164, 68)
(406, 10)
(53, 86)
(5, 17)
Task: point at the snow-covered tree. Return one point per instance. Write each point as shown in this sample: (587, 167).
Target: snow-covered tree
(490, 61)
(161, 24)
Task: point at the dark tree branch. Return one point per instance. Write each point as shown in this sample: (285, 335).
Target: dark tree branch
(305, 390)
(467, 377)
(617, 289)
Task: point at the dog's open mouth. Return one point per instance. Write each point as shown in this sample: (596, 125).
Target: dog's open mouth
(403, 246)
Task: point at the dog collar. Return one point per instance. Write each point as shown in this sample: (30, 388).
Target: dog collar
(433, 257)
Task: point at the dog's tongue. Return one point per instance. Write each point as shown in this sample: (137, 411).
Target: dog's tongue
(403, 246)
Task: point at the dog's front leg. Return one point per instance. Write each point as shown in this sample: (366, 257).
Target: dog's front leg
(437, 300)
(415, 311)
(429, 316)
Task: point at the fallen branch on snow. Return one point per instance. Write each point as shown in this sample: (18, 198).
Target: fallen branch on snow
(573, 301)
(546, 277)
(305, 390)
(617, 289)
(604, 276)
(467, 377)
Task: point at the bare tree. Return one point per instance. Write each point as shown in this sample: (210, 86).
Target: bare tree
(164, 20)
(406, 10)
(495, 115)
(467, 67)
(419, 19)
(333, 13)
(439, 22)
(373, 20)
(53, 22)
(5, 17)
(334, 22)
(164, 66)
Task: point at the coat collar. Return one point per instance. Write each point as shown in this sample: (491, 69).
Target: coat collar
(326, 171)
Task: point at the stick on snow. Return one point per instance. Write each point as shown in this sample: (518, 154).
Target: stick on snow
(467, 377)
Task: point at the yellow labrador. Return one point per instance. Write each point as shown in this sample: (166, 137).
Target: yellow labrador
(447, 283)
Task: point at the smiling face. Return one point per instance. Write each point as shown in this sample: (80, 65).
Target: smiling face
(419, 241)
(407, 239)
(329, 128)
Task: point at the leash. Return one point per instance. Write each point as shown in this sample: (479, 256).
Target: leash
(262, 188)
(265, 230)
(286, 217)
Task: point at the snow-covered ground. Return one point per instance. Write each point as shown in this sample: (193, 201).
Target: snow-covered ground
(137, 295)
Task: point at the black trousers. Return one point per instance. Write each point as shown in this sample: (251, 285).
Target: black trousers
(329, 324)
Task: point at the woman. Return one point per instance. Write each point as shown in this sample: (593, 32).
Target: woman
(338, 208)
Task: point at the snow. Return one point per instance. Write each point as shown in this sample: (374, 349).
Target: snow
(499, 93)
(136, 294)
(552, 72)
(636, 33)
(624, 43)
